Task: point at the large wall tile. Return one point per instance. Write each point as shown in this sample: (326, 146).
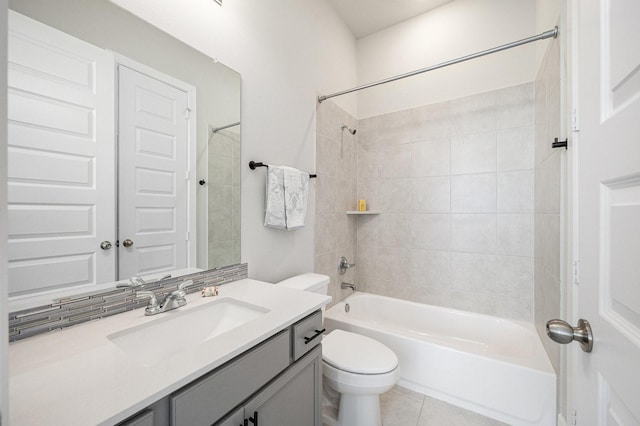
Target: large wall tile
(474, 193)
(515, 192)
(431, 269)
(395, 161)
(431, 158)
(431, 231)
(394, 128)
(431, 122)
(473, 114)
(475, 233)
(474, 153)
(473, 272)
(516, 148)
(431, 194)
(515, 234)
(394, 230)
(516, 106)
(395, 195)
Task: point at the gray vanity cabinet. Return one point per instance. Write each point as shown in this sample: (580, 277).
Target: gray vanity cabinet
(293, 399)
(144, 418)
(279, 380)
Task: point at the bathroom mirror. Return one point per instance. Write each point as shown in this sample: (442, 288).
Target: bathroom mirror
(216, 184)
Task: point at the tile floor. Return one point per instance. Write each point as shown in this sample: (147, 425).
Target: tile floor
(403, 407)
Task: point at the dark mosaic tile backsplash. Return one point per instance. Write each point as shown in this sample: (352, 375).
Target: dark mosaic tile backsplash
(84, 307)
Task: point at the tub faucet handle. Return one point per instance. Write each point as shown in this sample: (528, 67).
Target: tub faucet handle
(344, 265)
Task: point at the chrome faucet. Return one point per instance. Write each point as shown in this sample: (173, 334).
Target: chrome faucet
(348, 285)
(173, 300)
(344, 265)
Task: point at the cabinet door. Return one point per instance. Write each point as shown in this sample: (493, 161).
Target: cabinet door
(234, 419)
(210, 398)
(294, 398)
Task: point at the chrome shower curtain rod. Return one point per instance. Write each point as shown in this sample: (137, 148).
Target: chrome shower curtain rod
(547, 34)
(217, 129)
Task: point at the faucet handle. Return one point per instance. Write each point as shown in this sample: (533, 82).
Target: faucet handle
(180, 292)
(344, 265)
(152, 307)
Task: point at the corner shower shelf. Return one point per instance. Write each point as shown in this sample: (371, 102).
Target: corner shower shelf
(371, 212)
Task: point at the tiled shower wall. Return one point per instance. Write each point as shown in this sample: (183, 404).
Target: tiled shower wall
(224, 199)
(335, 232)
(548, 193)
(454, 182)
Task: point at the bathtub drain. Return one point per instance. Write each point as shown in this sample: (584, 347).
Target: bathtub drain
(347, 307)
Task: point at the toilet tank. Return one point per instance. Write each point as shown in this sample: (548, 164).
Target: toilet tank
(316, 283)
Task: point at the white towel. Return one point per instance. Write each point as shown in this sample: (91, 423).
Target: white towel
(296, 193)
(287, 192)
(274, 215)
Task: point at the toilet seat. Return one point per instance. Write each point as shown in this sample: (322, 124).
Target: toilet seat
(357, 354)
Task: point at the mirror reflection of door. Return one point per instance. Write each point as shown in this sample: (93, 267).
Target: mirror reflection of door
(62, 165)
(152, 174)
(61, 153)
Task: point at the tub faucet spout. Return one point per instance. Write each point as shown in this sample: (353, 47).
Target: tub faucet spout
(348, 285)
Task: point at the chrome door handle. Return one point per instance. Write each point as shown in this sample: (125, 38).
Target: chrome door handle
(562, 332)
(127, 242)
(105, 245)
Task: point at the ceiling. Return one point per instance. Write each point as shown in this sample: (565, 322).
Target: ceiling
(365, 17)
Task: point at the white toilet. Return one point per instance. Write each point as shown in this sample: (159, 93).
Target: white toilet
(356, 369)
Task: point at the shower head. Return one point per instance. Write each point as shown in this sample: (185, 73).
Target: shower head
(349, 129)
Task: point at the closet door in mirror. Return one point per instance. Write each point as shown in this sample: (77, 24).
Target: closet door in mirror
(61, 156)
(153, 200)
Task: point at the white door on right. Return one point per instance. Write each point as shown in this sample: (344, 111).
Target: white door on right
(152, 171)
(607, 380)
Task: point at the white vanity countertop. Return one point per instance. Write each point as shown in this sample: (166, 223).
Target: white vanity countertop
(77, 376)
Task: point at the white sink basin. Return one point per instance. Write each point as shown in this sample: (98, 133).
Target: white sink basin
(174, 331)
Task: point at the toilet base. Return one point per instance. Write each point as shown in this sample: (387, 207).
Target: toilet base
(359, 410)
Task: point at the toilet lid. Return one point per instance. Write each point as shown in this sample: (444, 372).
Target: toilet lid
(356, 353)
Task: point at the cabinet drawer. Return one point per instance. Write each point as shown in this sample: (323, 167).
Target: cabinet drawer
(306, 334)
(210, 398)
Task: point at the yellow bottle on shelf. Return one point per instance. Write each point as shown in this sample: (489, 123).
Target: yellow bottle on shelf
(362, 205)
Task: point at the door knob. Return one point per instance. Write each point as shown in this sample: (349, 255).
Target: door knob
(105, 245)
(562, 332)
(127, 242)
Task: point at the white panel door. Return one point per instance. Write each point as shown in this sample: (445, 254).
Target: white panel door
(153, 196)
(61, 154)
(607, 380)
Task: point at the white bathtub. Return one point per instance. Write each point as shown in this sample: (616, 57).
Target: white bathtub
(493, 366)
